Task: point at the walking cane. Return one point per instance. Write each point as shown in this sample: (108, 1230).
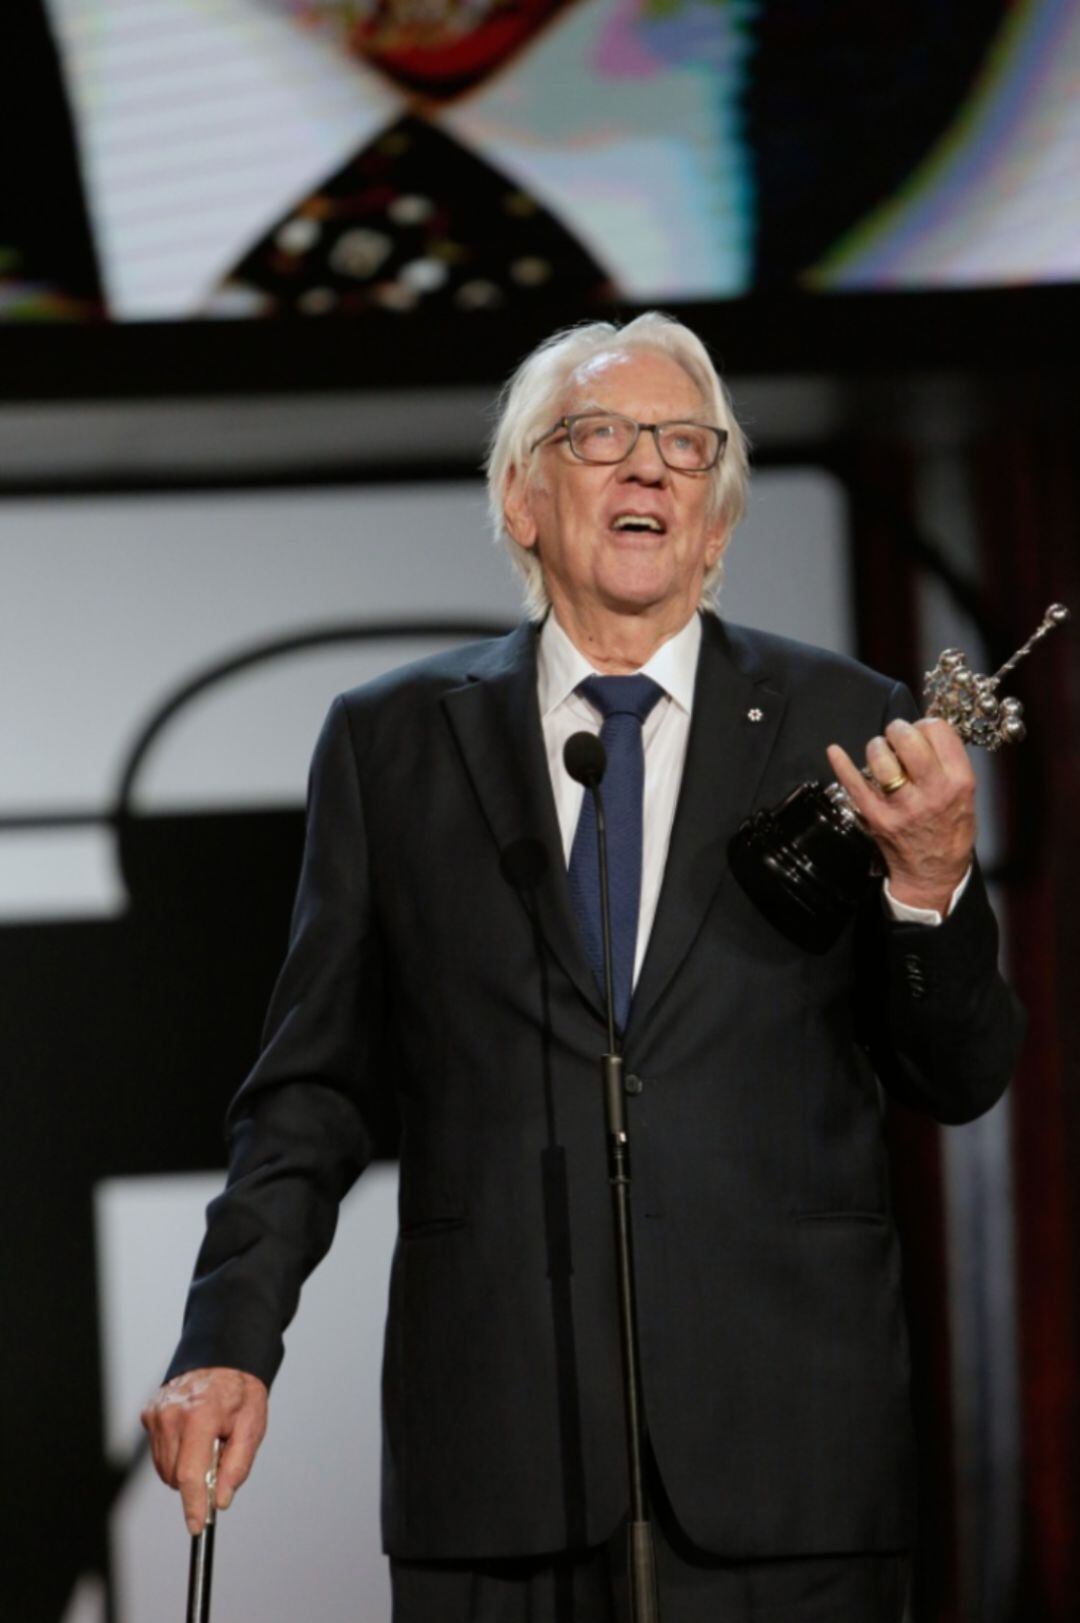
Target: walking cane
(201, 1570)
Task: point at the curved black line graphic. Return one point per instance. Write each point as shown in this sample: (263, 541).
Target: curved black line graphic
(274, 648)
(255, 654)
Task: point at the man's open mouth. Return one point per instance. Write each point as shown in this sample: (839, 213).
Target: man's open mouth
(638, 522)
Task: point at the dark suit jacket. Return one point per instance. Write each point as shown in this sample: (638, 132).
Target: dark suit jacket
(434, 954)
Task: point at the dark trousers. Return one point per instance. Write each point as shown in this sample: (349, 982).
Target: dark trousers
(590, 1586)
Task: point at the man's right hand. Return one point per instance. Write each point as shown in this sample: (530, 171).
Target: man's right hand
(185, 1417)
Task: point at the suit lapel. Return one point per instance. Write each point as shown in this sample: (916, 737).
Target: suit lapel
(738, 709)
(496, 721)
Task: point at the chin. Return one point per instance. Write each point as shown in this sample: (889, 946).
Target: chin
(638, 589)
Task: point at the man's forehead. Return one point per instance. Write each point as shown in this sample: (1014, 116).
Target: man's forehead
(639, 369)
(606, 363)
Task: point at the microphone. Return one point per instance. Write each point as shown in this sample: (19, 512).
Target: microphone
(585, 758)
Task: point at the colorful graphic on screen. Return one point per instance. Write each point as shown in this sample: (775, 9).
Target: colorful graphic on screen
(314, 157)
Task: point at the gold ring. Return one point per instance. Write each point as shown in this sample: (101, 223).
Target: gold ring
(894, 784)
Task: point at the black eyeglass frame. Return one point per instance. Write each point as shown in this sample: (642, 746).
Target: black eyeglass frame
(654, 429)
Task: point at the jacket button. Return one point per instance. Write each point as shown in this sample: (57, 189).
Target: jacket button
(633, 1084)
(916, 978)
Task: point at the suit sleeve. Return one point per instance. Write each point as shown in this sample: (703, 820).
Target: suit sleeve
(939, 1022)
(301, 1129)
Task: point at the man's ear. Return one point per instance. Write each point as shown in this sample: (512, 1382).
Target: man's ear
(716, 546)
(517, 509)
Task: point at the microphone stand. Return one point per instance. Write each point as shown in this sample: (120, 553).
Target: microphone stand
(644, 1596)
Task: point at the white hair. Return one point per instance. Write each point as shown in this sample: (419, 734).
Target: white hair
(530, 401)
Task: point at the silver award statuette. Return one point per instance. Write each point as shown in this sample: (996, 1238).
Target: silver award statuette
(806, 862)
(970, 703)
(201, 1570)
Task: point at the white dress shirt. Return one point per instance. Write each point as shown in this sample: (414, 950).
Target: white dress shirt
(561, 667)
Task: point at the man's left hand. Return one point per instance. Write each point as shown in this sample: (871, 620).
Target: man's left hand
(925, 829)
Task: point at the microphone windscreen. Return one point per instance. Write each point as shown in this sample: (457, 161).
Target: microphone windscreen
(585, 758)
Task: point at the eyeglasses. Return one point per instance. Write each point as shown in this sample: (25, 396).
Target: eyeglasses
(606, 436)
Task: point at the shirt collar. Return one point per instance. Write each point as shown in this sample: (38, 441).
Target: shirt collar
(561, 666)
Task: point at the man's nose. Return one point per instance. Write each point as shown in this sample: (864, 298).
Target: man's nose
(645, 462)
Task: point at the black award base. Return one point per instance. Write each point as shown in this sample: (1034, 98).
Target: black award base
(805, 864)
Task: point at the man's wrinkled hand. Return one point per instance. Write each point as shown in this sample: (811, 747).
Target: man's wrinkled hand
(925, 829)
(185, 1418)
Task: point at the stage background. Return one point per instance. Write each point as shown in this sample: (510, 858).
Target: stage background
(222, 499)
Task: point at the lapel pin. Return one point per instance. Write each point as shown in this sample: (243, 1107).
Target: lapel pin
(755, 714)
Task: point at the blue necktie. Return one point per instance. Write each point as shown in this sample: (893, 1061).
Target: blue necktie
(624, 702)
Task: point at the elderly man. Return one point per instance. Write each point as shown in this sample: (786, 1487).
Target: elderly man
(444, 948)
